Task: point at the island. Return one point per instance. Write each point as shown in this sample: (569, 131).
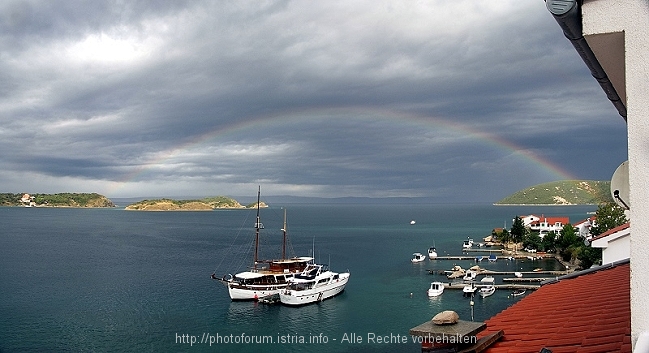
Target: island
(205, 204)
(79, 200)
(562, 192)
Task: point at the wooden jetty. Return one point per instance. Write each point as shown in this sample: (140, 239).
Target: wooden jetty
(486, 257)
(460, 285)
(483, 250)
(504, 273)
(554, 273)
(528, 279)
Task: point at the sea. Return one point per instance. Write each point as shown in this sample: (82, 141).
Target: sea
(111, 280)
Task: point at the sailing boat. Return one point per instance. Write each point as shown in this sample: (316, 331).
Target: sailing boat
(267, 277)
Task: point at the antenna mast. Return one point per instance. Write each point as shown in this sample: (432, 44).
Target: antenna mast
(257, 225)
(284, 240)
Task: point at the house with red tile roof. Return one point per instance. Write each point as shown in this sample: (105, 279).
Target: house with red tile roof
(588, 311)
(615, 243)
(543, 224)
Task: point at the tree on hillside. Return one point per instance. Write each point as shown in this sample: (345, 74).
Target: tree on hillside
(518, 230)
(609, 215)
(502, 236)
(567, 237)
(568, 243)
(533, 241)
(548, 242)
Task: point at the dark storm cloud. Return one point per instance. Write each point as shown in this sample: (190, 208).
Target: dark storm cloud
(200, 98)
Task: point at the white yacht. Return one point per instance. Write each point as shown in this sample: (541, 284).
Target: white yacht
(436, 289)
(316, 283)
(488, 287)
(432, 253)
(469, 290)
(470, 276)
(417, 257)
(467, 244)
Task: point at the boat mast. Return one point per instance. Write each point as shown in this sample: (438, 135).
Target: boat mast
(257, 225)
(284, 240)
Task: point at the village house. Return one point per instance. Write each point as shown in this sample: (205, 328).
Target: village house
(615, 244)
(544, 225)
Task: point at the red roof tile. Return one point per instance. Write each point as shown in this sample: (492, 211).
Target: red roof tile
(570, 315)
(613, 231)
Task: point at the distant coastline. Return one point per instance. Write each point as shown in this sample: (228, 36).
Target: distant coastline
(206, 204)
(67, 200)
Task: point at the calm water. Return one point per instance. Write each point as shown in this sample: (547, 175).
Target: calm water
(114, 280)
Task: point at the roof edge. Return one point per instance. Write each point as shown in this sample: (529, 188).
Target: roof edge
(587, 271)
(567, 13)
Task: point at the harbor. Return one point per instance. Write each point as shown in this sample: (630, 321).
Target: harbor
(528, 270)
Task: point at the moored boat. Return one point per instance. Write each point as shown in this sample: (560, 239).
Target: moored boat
(518, 292)
(436, 289)
(488, 287)
(469, 290)
(469, 276)
(316, 283)
(467, 244)
(266, 277)
(417, 257)
(432, 253)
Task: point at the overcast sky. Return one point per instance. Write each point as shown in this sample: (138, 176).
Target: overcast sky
(460, 100)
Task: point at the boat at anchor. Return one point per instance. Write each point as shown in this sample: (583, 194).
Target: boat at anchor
(315, 284)
(266, 277)
(417, 257)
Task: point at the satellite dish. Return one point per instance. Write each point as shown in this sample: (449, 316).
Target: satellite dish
(620, 185)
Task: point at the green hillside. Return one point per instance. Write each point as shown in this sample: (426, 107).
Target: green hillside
(205, 204)
(65, 199)
(564, 192)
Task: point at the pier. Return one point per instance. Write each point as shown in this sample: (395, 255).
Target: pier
(460, 285)
(486, 257)
(505, 273)
(529, 279)
(483, 250)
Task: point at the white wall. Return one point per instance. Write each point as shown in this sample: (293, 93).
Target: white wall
(632, 18)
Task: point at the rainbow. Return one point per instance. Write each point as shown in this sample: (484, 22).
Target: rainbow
(370, 116)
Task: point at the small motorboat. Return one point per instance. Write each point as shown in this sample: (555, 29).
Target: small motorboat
(469, 276)
(488, 287)
(518, 292)
(432, 252)
(479, 258)
(468, 243)
(436, 289)
(417, 257)
(493, 258)
(469, 290)
(518, 274)
(413, 222)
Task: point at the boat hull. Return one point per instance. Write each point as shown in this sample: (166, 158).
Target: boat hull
(237, 292)
(317, 294)
(487, 292)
